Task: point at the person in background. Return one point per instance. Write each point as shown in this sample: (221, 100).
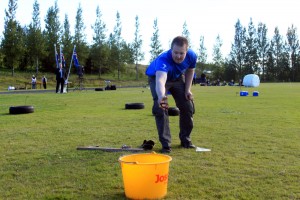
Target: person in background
(173, 71)
(60, 78)
(44, 81)
(203, 80)
(240, 82)
(194, 79)
(33, 82)
(208, 82)
(231, 83)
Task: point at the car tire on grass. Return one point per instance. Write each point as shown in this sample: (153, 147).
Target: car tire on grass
(134, 106)
(113, 87)
(20, 109)
(98, 89)
(173, 111)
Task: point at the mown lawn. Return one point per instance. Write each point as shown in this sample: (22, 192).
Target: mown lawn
(254, 142)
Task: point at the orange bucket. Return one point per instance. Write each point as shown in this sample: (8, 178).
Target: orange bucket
(145, 176)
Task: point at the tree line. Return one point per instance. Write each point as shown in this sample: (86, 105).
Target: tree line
(29, 48)
(252, 52)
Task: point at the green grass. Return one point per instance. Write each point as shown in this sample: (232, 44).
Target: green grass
(254, 142)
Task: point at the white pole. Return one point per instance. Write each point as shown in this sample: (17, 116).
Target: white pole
(60, 56)
(55, 52)
(71, 63)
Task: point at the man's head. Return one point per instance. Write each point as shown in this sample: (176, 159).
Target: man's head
(179, 48)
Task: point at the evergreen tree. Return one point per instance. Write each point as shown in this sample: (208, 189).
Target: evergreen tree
(99, 52)
(237, 53)
(281, 57)
(293, 44)
(110, 41)
(138, 55)
(218, 58)
(35, 39)
(186, 33)
(66, 40)
(116, 42)
(270, 69)
(229, 70)
(217, 53)
(52, 35)
(285, 63)
(251, 57)
(13, 37)
(202, 55)
(24, 60)
(277, 46)
(1, 54)
(277, 51)
(99, 28)
(127, 54)
(262, 46)
(155, 45)
(80, 38)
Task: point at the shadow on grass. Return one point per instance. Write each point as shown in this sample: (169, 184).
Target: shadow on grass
(14, 114)
(116, 196)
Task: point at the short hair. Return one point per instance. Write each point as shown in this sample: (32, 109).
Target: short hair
(180, 41)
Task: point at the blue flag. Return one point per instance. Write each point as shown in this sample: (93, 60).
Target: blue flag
(63, 61)
(56, 58)
(75, 59)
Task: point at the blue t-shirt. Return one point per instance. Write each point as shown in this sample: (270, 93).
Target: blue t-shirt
(164, 62)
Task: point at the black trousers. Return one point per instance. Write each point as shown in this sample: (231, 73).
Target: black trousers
(177, 90)
(60, 82)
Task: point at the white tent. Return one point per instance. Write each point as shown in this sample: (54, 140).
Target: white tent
(251, 80)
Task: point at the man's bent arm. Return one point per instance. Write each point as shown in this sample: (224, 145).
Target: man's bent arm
(189, 75)
(161, 79)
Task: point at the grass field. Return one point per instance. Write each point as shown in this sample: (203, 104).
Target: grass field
(255, 143)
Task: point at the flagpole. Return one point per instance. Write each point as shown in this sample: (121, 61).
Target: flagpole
(55, 52)
(60, 56)
(71, 63)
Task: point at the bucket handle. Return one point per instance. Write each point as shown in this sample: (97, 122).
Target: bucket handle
(136, 162)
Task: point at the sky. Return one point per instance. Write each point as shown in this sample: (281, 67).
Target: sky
(207, 18)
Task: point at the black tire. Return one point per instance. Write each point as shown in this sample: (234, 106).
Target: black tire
(173, 111)
(98, 89)
(113, 87)
(20, 109)
(134, 106)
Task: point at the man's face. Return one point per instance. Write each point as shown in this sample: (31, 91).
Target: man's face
(179, 53)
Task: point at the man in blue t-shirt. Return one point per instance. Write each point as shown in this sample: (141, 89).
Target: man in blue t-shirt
(173, 71)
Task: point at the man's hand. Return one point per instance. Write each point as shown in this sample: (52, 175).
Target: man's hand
(161, 79)
(189, 74)
(189, 95)
(163, 103)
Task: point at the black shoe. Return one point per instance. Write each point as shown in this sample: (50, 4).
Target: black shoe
(166, 150)
(147, 145)
(188, 145)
